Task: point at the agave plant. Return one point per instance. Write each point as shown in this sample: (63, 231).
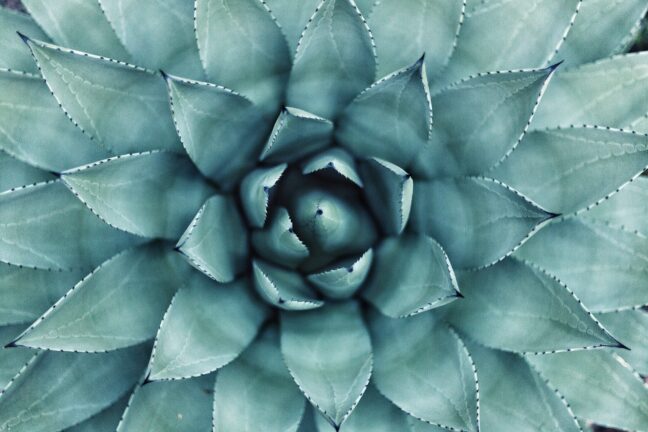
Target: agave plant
(306, 215)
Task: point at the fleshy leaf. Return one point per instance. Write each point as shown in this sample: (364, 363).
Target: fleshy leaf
(13, 54)
(516, 307)
(627, 208)
(113, 307)
(391, 119)
(216, 241)
(273, 399)
(255, 193)
(335, 60)
(178, 406)
(16, 173)
(565, 170)
(342, 279)
(412, 274)
(207, 326)
(604, 265)
(122, 107)
(242, 47)
(106, 421)
(336, 160)
(278, 243)
(293, 17)
(328, 353)
(80, 239)
(222, 131)
(45, 395)
(308, 420)
(600, 386)
(631, 328)
(12, 358)
(283, 288)
(477, 220)
(424, 369)
(388, 190)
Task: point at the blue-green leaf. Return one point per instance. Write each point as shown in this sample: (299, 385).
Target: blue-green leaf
(627, 208)
(336, 160)
(335, 60)
(16, 173)
(106, 421)
(328, 353)
(13, 54)
(255, 193)
(283, 288)
(630, 327)
(278, 243)
(12, 358)
(293, 17)
(207, 326)
(344, 278)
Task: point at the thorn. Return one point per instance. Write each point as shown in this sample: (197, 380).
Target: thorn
(55, 174)
(24, 37)
(621, 346)
(12, 344)
(147, 380)
(458, 294)
(421, 60)
(554, 66)
(165, 75)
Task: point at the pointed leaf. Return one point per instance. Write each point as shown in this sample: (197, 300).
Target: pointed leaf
(283, 288)
(388, 189)
(343, 279)
(630, 327)
(292, 17)
(45, 395)
(106, 421)
(604, 265)
(153, 194)
(255, 193)
(308, 420)
(28, 217)
(270, 397)
(335, 60)
(12, 358)
(16, 173)
(278, 242)
(13, 54)
(119, 304)
(328, 353)
(242, 47)
(627, 208)
(336, 160)
(206, 327)
(400, 103)
(122, 107)
(221, 130)
(477, 220)
(216, 241)
(417, 425)
(425, 370)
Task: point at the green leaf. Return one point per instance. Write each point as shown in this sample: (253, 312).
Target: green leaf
(478, 121)
(16, 173)
(604, 265)
(256, 389)
(308, 420)
(278, 243)
(31, 122)
(477, 220)
(216, 241)
(335, 60)
(159, 36)
(77, 24)
(152, 194)
(416, 425)
(119, 304)
(283, 288)
(515, 398)
(400, 103)
(178, 406)
(517, 307)
(627, 208)
(106, 421)
(255, 192)
(599, 386)
(12, 358)
(45, 395)
(328, 353)
(342, 279)
(293, 16)
(335, 160)
(122, 107)
(207, 326)
(295, 134)
(242, 47)
(412, 274)
(424, 369)
(45, 226)
(566, 170)
(631, 328)
(213, 122)
(388, 190)
(13, 53)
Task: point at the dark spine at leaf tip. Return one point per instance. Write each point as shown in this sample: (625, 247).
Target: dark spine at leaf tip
(11, 344)
(622, 346)
(147, 380)
(24, 37)
(55, 174)
(165, 75)
(458, 294)
(554, 66)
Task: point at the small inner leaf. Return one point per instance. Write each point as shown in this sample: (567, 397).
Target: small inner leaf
(278, 241)
(343, 279)
(255, 193)
(283, 288)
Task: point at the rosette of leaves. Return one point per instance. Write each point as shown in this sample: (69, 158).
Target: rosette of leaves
(399, 215)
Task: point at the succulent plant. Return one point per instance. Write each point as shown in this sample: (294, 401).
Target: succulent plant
(305, 215)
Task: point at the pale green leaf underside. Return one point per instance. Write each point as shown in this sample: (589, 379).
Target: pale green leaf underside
(283, 288)
(16, 173)
(255, 193)
(344, 278)
(631, 329)
(106, 421)
(278, 243)
(335, 160)
(627, 208)
(13, 53)
(13, 358)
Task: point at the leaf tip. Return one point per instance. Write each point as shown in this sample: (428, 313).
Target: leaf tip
(12, 344)
(24, 37)
(621, 346)
(147, 380)
(554, 66)
(164, 75)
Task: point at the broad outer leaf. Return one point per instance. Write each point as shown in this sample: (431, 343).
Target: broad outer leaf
(152, 194)
(106, 421)
(16, 173)
(293, 16)
(12, 358)
(256, 389)
(283, 288)
(604, 265)
(328, 353)
(412, 274)
(308, 420)
(477, 220)
(255, 193)
(336, 160)
(243, 48)
(278, 242)
(516, 307)
(342, 279)
(119, 304)
(391, 119)
(600, 386)
(46, 394)
(627, 208)
(334, 62)
(45, 226)
(423, 368)
(216, 241)
(13, 54)
(122, 107)
(565, 170)
(207, 326)
(178, 406)
(631, 328)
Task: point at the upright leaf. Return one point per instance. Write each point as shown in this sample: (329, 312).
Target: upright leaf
(16, 173)
(12, 358)
(13, 54)
(283, 288)
(626, 208)
(278, 243)
(631, 328)
(342, 279)
(255, 193)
